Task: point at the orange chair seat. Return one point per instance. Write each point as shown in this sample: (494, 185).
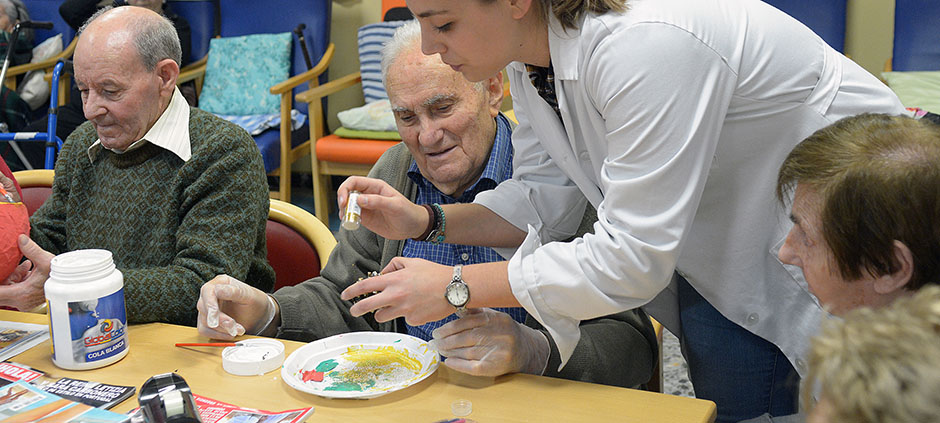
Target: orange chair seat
(332, 148)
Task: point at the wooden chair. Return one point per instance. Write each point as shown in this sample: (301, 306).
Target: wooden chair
(655, 383)
(36, 186)
(298, 244)
(282, 146)
(332, 155)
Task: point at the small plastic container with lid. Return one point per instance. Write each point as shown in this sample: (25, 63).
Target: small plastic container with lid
(351, 217)
(87, 318)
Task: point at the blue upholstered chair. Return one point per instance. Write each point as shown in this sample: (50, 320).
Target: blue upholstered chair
(825, 17)
(48, 11)
(201, 16)
(282, 146)
(916, 36)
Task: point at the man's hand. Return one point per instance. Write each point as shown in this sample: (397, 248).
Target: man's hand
(10, 187)
(486, 342)
(228, 306)
(384, 210)
(24, 288)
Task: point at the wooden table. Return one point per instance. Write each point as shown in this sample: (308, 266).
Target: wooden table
(510, 398)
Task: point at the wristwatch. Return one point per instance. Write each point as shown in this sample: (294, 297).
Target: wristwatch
(457, 292)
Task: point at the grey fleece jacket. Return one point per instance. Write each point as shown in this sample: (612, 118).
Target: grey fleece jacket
(618, 349)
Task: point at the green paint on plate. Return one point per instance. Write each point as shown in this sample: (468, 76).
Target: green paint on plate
(327, 365)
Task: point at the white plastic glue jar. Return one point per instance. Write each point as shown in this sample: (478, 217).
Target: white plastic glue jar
(87, 319)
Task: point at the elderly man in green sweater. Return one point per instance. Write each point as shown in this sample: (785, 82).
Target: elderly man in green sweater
(176, 194)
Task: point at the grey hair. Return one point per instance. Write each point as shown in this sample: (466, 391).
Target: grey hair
(155, 39)
(9, 9)
(406, 38)
(16, 11)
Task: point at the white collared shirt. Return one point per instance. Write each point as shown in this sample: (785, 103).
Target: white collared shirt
(170, 131)
(677, 115)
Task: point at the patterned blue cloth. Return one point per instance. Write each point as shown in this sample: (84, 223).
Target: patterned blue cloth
(498, 168)
(241, 71)
(256, 124)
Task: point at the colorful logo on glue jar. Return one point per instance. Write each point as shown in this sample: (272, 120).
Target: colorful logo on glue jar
(107, 331)
(98, 328)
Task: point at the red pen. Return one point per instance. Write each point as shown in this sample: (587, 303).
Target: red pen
(206, 344)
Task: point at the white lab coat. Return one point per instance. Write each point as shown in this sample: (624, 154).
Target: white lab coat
(677, 115)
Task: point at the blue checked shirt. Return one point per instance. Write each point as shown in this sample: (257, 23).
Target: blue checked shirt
(498, 168)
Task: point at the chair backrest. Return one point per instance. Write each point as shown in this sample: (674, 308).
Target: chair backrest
(201, 15)
(298, 244)
(48, 11)
(239, 17)
(36, 186)
(391, 4)
(916, 35)
(825, 17)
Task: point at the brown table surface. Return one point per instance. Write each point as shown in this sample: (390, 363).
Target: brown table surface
(510, 398)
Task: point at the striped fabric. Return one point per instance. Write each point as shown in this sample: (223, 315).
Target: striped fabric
(256, 124)
(371, 39)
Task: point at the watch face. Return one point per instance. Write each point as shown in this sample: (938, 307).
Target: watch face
(458, 294)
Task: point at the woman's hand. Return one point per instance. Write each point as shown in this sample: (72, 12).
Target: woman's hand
(384, 210)
(408, 287)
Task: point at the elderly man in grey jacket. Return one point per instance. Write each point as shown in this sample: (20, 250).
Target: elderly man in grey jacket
(456, 144)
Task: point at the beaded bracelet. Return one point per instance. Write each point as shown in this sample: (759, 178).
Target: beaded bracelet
(442, 224)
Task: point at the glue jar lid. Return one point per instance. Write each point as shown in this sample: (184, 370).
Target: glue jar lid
(81, 264)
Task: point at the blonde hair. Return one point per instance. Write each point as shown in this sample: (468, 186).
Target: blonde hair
(569, 12)
(880, 366)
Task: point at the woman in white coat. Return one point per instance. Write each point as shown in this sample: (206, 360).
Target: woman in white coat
(671, 118)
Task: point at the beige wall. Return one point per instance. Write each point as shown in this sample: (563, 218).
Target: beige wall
(870, 33)
(348, 16)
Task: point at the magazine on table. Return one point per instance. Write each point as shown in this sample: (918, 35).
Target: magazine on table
(16, 337)
(24, 402)
(95, 394)
(213, 411)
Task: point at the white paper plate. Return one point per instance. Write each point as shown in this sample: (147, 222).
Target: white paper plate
(360, 364)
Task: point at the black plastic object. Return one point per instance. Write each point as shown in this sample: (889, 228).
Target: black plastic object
(166, 398)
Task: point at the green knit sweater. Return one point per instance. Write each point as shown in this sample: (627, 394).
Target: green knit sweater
(171, 225)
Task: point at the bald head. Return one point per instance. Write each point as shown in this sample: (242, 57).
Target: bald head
(152, 35)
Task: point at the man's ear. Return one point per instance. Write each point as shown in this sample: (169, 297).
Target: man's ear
(168, 72)
(894, 282)
(494, 89)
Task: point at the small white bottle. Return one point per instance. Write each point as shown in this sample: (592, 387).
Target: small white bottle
(87, 317)
(351, 218)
